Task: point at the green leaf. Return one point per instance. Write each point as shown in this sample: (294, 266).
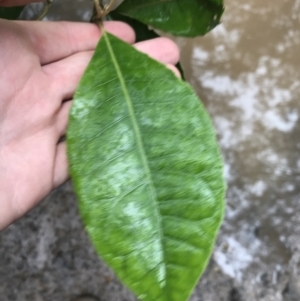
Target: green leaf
(147, 171)
(188, 18)
(10, 13)
(142, 32)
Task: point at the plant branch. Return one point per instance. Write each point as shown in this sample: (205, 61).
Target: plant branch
(45, 10)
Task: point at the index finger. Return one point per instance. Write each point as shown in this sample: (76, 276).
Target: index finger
(53, 41)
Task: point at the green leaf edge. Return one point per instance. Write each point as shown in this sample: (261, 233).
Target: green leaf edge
(221, 210)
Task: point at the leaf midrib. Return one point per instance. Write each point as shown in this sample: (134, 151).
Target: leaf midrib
(139, 140)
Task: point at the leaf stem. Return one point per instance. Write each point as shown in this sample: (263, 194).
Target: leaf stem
(45, 10)
(101, 10)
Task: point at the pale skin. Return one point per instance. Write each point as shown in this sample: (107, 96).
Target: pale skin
(41, 64)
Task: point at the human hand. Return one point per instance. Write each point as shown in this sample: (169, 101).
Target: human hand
(41, 64)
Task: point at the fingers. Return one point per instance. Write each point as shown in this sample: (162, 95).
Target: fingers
(60, 174)
(66, 73)
(161, 49)
(17, 2)
(54, 41)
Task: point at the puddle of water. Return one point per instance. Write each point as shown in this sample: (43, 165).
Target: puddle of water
(247, 73)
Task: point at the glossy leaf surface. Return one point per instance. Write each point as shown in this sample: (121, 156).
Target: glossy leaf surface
(10, 13)
(147, 171)
(188, 18)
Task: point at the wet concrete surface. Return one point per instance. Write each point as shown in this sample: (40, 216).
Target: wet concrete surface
(247, 72)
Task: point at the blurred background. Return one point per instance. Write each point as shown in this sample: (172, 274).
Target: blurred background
(247, 73)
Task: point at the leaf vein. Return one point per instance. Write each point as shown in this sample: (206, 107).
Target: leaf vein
(127, 192)
(138, 136)
(103, 131)
(182, 242)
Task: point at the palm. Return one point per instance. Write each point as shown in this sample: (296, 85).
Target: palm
(41, 64)
(29, 116)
